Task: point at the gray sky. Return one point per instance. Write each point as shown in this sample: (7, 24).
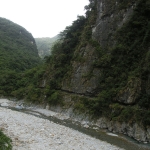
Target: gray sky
(42, 18)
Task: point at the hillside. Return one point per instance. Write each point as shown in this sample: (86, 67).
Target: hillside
(44, 45)
(18, 52)
(100, 68)
(17, 47)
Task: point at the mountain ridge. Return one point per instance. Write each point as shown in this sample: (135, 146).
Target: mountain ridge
(18, 52)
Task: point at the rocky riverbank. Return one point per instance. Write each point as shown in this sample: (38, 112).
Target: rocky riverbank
(33, 133)
(133, 130)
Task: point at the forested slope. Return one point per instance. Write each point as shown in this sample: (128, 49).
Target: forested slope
(17, 47)
(18, 52)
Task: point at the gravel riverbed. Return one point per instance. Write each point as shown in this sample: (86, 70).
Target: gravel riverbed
(29, 132)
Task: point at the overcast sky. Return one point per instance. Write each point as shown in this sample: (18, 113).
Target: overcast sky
(42, 18)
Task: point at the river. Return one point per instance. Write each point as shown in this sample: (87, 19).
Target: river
(33, 130)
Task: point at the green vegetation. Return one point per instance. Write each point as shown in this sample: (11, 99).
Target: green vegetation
(28, 84)
(124, 68)
(63, 52)
(18, 53)
(17, 47)
(5, 142)
(44, 45)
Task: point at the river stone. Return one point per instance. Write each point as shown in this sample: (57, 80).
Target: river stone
(4, 101)
(19, 107)
(4, 104)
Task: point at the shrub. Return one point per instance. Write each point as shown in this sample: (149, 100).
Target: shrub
(55, 98)
(5, 142)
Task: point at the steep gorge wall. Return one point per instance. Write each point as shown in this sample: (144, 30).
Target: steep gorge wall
(101, 69)
(84, 76)
(111, 15)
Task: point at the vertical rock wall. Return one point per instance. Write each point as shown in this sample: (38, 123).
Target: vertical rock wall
(84, 77)
(110, 18)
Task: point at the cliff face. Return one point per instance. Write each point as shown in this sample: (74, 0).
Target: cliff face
(111, 16)
(85, 76)
(115, 69)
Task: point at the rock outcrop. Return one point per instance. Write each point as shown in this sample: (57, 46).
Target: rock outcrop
(110, 17)
(84, 77)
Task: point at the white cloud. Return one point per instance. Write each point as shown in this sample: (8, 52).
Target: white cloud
(43, 18)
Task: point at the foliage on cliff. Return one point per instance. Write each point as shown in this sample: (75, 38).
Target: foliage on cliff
(125, 72)
(126, 67)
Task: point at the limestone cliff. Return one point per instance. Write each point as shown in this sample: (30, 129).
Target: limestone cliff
(111, 16)
(85, 76)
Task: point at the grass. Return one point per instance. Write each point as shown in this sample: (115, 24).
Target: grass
(5, 142)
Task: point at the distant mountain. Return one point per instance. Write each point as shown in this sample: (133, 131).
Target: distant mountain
(44, 45)
(18, 49)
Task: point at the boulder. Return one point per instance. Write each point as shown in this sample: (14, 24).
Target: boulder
(4, 104)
